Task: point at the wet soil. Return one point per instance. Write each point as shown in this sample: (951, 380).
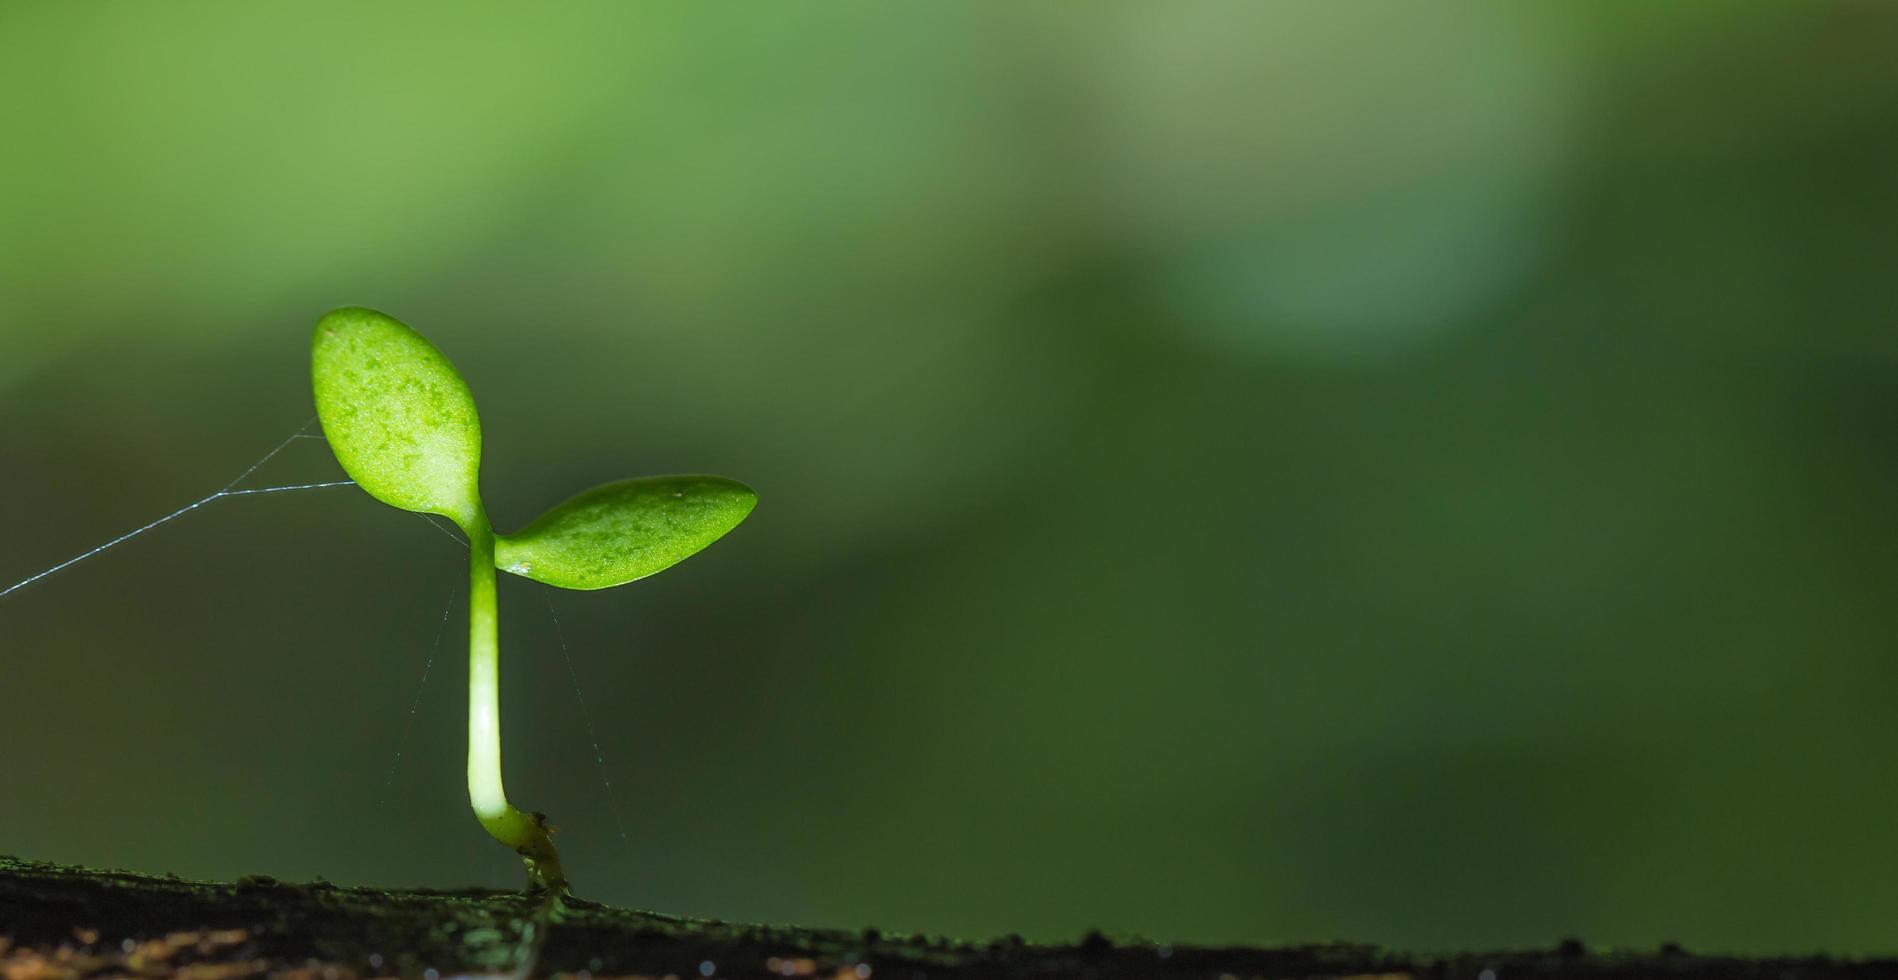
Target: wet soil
(65, 922)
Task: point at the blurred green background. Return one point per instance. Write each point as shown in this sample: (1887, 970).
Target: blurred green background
(1423, 474)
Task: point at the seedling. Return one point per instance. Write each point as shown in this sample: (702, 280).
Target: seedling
(403, 424)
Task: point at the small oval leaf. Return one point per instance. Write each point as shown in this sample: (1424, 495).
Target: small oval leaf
(619, 532)
(396, 414)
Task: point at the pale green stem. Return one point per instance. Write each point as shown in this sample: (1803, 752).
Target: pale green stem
(525, 833)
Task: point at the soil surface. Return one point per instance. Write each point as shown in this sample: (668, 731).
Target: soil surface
(63, 922)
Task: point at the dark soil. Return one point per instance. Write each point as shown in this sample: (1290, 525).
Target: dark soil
(61, 922)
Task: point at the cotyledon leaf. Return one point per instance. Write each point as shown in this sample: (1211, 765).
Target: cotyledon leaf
(613, 534)
(397, 415)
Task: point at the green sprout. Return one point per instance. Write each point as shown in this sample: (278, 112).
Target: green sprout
(403, 425)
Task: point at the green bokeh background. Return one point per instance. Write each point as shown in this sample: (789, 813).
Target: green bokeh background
(1423, 474)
